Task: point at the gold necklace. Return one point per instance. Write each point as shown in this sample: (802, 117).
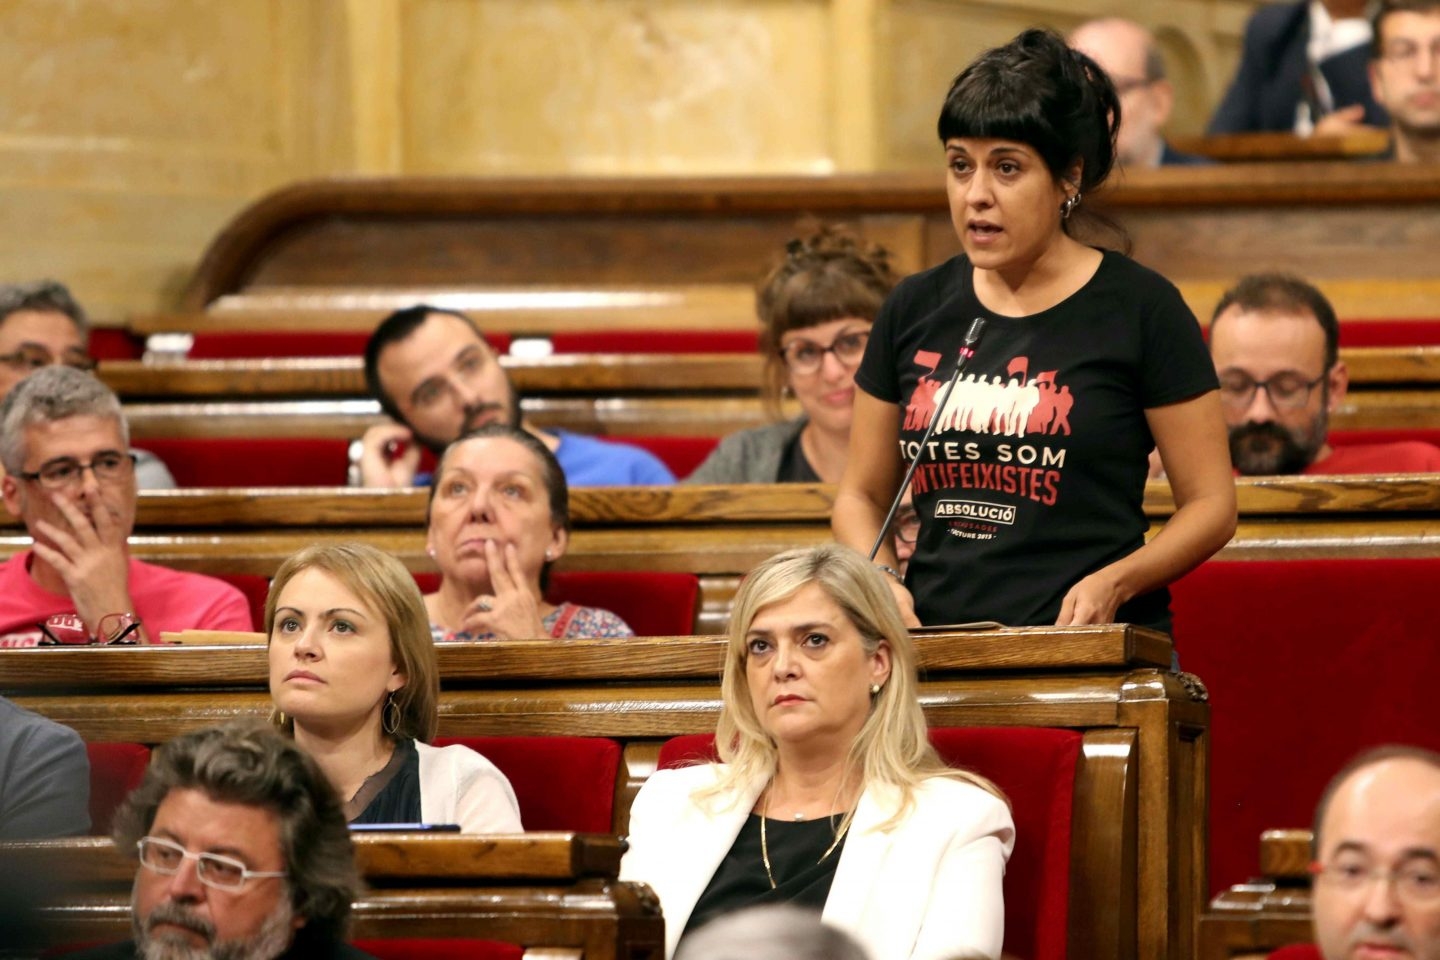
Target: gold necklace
(765, 846)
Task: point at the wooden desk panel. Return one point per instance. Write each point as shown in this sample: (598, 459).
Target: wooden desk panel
(1140, 787)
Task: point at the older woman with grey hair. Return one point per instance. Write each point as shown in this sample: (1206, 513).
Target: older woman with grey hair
(829, 795)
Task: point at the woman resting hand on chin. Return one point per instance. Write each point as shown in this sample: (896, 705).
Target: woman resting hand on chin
(829, 795)
(499, 516)
(1029, 492)
(354, 679)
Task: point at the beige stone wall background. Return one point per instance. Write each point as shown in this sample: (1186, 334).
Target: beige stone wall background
(132, 130)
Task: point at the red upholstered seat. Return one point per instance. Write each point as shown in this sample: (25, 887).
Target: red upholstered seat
(256, 588)
(562, 783)
(252, 461)
(1307, 663)
(255, 344)
(1035, 767)
(654, 604)
(681, 454)
(440, 949)
(1348, 438)
(1297, 951)
(115, 770)
(112, 343)
(1389, 333)
(656, 341)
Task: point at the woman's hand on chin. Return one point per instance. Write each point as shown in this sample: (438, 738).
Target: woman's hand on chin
(512, 612)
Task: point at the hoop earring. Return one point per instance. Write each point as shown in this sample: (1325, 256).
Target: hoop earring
(390, 715)
(1068, 207)
(280, 722)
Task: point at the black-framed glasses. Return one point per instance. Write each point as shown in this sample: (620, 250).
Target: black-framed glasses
(214, 870)
(1416, 883)
(806, 356)
(30, 357)
(907, 524)
(67, 471)
(1287, 391)
(67, 630)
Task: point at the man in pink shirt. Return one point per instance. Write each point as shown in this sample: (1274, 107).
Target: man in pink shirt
(1276, 346)
(70, 477)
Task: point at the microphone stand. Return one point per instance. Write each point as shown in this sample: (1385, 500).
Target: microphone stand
(967, 350)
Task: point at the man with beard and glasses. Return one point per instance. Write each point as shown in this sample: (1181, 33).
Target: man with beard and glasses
(1275, 342)
(1405, 76)
(438, 379)
(1377, 860)
(244, 853)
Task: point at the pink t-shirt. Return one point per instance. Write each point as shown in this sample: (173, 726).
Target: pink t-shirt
(1406, 456)
(165, 600)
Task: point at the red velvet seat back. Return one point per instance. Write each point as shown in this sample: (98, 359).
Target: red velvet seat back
(115, 770)
(113, 343)
(1307, 663)
(681, 454)
(1035, 767)
(439, 948)
(656, 341)
(1390, 333)
(654, 604)
(1349, 438)
(256, 588)
(252, 461)
(1297, 951)
(562, 783)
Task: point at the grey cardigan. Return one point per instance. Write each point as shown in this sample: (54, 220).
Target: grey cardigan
(750, 456)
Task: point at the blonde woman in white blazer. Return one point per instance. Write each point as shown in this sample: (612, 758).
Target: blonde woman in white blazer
(829, 794)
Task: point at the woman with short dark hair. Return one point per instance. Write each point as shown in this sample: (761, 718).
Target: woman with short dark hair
(1029, 491)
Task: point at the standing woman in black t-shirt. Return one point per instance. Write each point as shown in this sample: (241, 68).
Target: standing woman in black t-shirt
(1030, 490)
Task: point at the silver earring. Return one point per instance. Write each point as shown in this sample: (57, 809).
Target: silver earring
(1068, 207)
(549, 555)
(390, 716)
(430, 552)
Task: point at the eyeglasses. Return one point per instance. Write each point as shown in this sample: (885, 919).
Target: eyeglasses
(67, 629)
(67, 471)
(805, 356)
(1124, 85)
(223, 873)
(1416, 883)
(1287, 391)
(1408, 51)
(30, 357)
(907, 525)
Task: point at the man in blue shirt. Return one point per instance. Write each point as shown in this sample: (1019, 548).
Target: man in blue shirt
(437, 378)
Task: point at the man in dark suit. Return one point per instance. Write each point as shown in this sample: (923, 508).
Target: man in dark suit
(1128, 52)
(1304, 68)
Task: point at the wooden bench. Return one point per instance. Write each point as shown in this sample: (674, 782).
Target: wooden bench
(720, 533)
(540, 255)
(547, 892)
(1249, 920)
(1138, 825)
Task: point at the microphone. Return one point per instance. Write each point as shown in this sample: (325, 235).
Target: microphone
(967, 350)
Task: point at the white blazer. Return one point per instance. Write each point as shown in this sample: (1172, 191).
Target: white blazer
(458, 785)
(927, 889)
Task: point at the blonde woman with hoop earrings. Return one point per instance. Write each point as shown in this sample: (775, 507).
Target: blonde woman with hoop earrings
(828, 794)
(354, 679)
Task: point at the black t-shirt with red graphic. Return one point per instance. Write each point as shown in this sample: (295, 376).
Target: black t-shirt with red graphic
(1035, 474)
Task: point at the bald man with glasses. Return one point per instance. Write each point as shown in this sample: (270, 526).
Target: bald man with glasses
(1275, 342)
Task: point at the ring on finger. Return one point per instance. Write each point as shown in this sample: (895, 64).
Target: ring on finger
(485, 605)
